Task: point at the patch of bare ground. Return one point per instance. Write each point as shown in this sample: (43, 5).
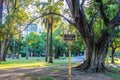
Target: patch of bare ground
(58, 73)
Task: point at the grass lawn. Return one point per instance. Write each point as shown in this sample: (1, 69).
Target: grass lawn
(40, 62)
(115, 76)
(30, 63)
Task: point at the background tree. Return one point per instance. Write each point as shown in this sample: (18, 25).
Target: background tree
(115, 43)
(13, 20)
(52, 21)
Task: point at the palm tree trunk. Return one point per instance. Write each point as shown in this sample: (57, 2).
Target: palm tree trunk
(46, 57)
(13, 53)
(51, 54)
(27, 53)
(18, 46)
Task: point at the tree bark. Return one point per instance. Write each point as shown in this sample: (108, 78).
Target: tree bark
(13, 53)
(51, 54)
(95, 60)
(19, 45)
(2, 50)
(27, 52)
(4, 55)
(46, 56)
(57, 54)
(112, 57)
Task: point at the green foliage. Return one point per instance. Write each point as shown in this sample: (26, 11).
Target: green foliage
(36, 42)
(110, 10)
(78, 46)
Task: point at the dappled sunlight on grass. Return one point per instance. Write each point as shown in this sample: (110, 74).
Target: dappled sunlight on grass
(117, 61)
(22, 63)
(33, 62)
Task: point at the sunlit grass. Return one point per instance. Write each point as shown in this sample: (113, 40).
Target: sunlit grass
(31, 62)
(117, 61)
(23, 63)
(38, 62)
(115, 76)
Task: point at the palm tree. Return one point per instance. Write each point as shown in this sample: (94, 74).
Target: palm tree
(51, 22)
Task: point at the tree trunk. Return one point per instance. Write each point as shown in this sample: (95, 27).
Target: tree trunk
(46, 56)
(57, 54)
(27, 53)
(112, 57)
(51, 54)
(95, 59)
(18, 46)
(2, 50)
(13, 53)
(4, 55)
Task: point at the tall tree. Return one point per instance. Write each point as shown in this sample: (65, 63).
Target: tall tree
(96, 47)
(13, 20)
(52, 21)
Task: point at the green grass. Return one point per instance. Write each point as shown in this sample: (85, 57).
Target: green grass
(46, 78)
(40, 62)
(30, 63)
(13, 63)
(114, 76)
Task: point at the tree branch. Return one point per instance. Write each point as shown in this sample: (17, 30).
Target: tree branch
(93, 19)
(69, 5)
(102, 13)
(116, 20)
(47, 15)
(15, 6)
(82, 4)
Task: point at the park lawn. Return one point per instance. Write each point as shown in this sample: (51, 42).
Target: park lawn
(40, 62)
(115, 76)
(31, 63)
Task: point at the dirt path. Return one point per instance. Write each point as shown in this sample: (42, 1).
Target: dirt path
(58, 72)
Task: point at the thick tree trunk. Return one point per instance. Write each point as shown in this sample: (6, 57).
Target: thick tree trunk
(4, 49)
(112, 57)
(95, 60)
